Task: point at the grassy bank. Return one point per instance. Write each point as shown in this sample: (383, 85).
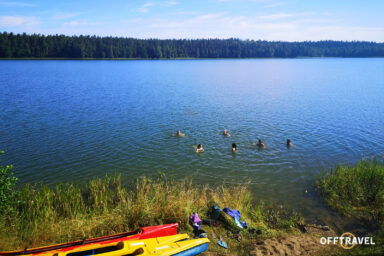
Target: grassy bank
(37, 215)
(358, 191)
(41, 215)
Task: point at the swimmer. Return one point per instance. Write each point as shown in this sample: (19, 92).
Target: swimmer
(199, 148)
(225, 133)
(289, 143)
(234, 147)
(178, 133)
(260, 144)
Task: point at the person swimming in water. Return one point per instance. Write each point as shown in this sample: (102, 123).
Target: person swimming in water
(288, 143)
(225, 133)
(234, 147)
(199, 148)
(260, 144)
(178, 133)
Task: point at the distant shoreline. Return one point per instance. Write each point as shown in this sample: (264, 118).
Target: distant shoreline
(94, 47)
(249, 58)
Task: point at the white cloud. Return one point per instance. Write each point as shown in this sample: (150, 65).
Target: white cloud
(209, 26)
(277, 16)
(184, 13)
(146, 7)
(171, 3)
(299, 27)
(264, 26)
(344, 32)
(14, 21)
(77, 23)
(273, 5)
(17, 4)
(64, 16)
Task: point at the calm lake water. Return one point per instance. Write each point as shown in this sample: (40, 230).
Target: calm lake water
(74, 120)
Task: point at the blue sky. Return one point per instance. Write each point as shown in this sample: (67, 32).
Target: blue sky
(287, 20)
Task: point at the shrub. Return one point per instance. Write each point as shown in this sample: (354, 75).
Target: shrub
(7, 188)
(356, 190)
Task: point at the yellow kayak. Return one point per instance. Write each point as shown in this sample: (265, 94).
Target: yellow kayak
(176, 245)
(142, 233)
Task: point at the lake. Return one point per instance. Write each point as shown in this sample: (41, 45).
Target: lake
(71, 120)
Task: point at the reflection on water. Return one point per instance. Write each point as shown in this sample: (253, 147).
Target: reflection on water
(72, 120)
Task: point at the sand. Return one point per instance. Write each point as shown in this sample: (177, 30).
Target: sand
(307, 243)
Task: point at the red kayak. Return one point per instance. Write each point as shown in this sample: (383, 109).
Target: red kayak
(142, 233)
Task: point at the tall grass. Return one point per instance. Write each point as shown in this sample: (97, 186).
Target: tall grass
(46, 215)
(356, 190)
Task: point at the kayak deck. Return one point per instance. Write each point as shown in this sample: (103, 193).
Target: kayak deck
(142, 233)
(176, 245)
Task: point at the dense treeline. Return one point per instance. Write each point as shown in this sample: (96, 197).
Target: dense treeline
(61, 46)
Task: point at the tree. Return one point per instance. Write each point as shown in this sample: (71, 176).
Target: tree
(60, 46)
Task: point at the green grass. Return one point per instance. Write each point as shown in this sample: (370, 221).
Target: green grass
(47, 215)
(356, 190)
(36, 214)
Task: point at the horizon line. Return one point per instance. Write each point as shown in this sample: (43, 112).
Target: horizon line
(202, 38)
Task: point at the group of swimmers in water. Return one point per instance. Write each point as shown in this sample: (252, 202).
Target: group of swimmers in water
(225, 133)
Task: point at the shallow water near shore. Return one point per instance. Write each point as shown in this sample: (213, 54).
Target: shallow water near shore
(72, 120)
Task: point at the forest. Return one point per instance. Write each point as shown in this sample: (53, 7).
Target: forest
(82, 47)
